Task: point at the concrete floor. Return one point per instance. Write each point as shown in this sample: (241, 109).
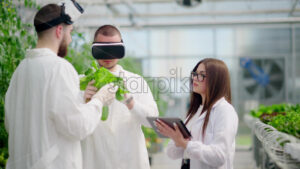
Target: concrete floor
(243, 160)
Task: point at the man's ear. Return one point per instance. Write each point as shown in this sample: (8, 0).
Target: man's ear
(59, 31)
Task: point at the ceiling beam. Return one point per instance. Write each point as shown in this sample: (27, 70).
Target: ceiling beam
(97, 2)
(203, 13)
(293, 7)
(170, 23)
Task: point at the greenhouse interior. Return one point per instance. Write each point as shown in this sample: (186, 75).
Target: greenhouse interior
(258, 40)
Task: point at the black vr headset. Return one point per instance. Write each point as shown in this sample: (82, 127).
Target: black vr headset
(108, 50)
(70, 11)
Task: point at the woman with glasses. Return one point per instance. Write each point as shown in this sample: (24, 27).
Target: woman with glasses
(211, 119)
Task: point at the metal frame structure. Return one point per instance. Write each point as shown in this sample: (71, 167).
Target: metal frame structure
(166, 13)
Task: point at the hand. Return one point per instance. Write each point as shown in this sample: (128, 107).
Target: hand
(106, 94)
(89, 91)
(128, 100)
(175, 135)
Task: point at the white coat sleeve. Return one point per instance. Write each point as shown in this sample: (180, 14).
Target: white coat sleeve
(10, 92)
(71, 116)
(225, 127)
(173, 151)
(144, 105)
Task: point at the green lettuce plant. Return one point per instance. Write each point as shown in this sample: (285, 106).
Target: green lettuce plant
(283, 117)
(102, 77)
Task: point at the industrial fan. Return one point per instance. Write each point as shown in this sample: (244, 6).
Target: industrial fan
(188, 3)
(263, 78)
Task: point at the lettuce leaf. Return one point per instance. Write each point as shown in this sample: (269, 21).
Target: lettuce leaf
(102, 76)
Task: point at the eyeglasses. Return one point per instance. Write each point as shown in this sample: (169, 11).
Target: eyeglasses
(200, 77)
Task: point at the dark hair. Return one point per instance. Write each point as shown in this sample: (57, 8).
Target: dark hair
(217, 86)
(45, 14)
(107, 30)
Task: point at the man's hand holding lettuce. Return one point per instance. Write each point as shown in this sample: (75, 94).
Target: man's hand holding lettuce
(101, 77)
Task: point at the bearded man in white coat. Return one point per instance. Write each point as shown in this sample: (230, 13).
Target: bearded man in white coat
(45, 114)
(118, 142)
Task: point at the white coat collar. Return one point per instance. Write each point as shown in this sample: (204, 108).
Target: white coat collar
(216, 104)
(118, 71)
(39, 52)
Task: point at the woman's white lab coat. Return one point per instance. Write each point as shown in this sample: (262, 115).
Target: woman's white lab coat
(217, 149)
(45, 115)
(118, 142)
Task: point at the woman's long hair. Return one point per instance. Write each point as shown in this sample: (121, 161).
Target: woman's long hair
(217, 86)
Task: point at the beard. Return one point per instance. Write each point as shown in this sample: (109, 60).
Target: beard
(63, 48)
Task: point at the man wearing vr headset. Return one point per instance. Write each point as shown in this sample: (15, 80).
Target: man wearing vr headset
(118, 142)
(45, 114)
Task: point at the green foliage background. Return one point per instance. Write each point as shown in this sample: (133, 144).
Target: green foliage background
(15, 39)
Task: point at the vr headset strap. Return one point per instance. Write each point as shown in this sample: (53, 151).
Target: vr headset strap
(64, 18)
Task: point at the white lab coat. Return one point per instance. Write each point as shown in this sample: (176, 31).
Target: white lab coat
(118, 142)
(217, 149)
(45, 115)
